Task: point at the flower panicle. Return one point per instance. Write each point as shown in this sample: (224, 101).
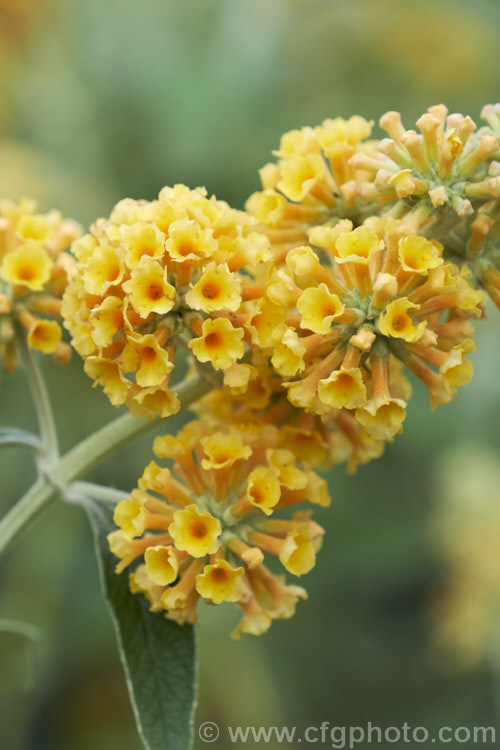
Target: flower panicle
(203, 529)
(358, 306)
(156, 276)
(34, 268)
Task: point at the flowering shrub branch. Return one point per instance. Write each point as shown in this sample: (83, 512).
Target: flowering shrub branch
(62, 473)
(361, 261)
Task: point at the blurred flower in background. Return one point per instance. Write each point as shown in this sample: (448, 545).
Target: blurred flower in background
(467, 530)
(105, 100)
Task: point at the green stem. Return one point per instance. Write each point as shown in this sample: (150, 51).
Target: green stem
(23, 511)
(40, 396)
(109, 495)
(13, 437)
(20, 628)
(83, 457)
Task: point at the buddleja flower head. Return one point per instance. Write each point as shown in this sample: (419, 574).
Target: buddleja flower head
(314, 179)
(447, 167)
(352, 302)
(202, 530)
(33, 276)
(154, 276)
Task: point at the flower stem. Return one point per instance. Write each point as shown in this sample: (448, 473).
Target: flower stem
(108, 495)
(40, 397)
(83, 457)
(13, 437)
(24, 510)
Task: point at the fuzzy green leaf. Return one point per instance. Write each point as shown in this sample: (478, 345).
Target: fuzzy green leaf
(158, 655)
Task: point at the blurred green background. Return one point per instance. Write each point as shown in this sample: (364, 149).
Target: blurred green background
(102, 100)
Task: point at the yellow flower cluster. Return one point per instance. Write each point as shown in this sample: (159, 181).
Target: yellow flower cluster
(357, 264)
(351, 303)
(155, 276)
(445, 176)
(314, 180)
(202, 530)
(33, 275)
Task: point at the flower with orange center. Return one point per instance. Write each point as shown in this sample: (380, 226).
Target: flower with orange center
(148, 291)
(33, 275)
(204, 528)
(419, 255)
(221, 582)
(223, 450)
(264, 489)
(343, 389)
(318, 308)
(143, 240)
(149, 361)
(104, 269)
(216, 289)
(398, 323)
(172, 268)
(28, 266)
(45, 336)
(220, 344)
(194, 532)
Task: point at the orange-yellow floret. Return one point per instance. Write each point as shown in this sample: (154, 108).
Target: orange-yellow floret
(220, 344)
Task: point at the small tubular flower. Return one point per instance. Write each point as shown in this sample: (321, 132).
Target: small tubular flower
(221, 582)
(156, 276)
(216, 289)
(203, 529)
(34, 266)
(220, 344)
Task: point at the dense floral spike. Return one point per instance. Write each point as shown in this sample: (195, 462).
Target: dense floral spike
(203, 529)
(358, 297)
(154, 276)
(447, 167)
(314, 180)
(33, 276)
